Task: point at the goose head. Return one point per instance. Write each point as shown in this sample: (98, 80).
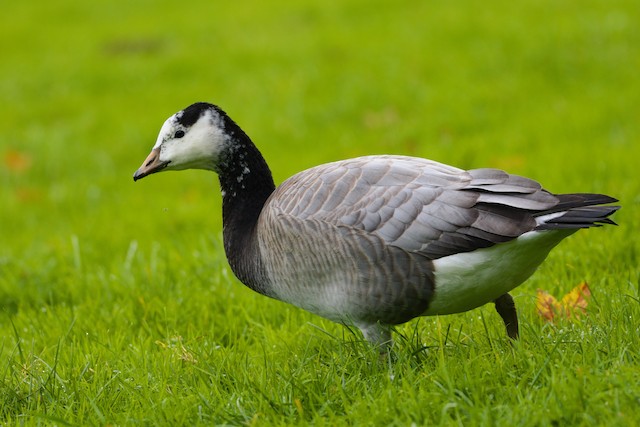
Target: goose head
(193, 138)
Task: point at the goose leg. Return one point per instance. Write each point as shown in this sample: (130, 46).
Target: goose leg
(506, 308)
(378, 335)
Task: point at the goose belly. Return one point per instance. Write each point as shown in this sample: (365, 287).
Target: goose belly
(329, 299)
(468, 280)
(323, 282)
(346, 275)
(348, 292)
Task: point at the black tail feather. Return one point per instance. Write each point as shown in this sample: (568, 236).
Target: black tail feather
(580, 211)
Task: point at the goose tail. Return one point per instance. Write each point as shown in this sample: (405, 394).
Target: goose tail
(578, 210)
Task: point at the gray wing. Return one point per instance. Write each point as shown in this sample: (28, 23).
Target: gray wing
(415, 204)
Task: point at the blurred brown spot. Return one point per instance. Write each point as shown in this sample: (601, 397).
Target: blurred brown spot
(16, 161)
(132, 46)
(509, 162)
(28, 194)
(380, 119)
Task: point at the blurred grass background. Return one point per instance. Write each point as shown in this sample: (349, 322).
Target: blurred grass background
(547, 89)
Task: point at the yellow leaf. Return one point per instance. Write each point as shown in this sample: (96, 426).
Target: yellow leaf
(547, 305)
(573, 303)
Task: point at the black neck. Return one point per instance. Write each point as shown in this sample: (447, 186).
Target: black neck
(246, 183)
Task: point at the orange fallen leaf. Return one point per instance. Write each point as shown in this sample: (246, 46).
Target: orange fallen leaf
(573, 303)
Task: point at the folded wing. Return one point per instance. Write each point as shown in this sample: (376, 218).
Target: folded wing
(415, 204)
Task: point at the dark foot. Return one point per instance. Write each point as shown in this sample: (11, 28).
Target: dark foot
(506, 308)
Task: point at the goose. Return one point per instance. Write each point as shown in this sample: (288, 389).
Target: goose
(374, 241)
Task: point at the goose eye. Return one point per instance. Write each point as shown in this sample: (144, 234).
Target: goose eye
(178, 134)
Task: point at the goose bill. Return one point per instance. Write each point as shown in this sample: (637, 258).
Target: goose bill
(151, 164)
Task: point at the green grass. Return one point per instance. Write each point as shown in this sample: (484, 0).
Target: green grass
(117, 306)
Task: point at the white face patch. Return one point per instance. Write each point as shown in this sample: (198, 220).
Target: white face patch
(198, 148)
(166, 130)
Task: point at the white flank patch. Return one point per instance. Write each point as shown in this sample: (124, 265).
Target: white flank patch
(468, 280)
